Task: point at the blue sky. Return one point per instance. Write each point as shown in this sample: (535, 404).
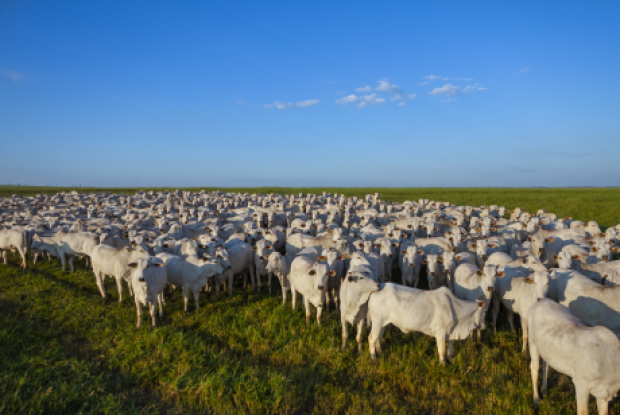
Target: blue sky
(298, 93)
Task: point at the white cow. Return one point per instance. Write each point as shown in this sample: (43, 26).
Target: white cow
(299, 241)
(191, 273)
(518, 294)
(355, 291)
(14, 239)
(589, 355)
(410, 264)
(115, 263)
(436, 313)
(594, 304)
(280, 266)
(309, 278)
(148, 280)
(471, 283)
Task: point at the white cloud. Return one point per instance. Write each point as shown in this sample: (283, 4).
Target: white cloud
(288, 105)
(280, 105)
(12, 75)
(447, 89)
(240, 102)
(524, 70)
(370, 100)
(307, 103)
(432, 77)
(385, 86)
(452, 90)
(366, 88)
(363, 101)
(411, 96)
(462, 79)
(402, 104)
(347, 100)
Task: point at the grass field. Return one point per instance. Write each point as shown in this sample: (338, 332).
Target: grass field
(64, 349)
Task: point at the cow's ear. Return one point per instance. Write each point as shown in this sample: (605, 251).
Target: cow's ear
(332, 273)
(132, 265)
(312, 272)
(254, 248)
(157, 264)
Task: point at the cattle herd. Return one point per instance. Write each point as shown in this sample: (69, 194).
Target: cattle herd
(558, 274)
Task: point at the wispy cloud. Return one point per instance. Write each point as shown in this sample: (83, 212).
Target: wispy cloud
(362, 101)
(524, 70)
(280, 105)
(307, 103)
(240, 102)
(462, 79)
(12, 75)
(447, 89)
(383, 85)
(347, 100)
(450, 90)
(429, 79)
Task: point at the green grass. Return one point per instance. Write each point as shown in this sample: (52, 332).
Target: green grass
(64, 349)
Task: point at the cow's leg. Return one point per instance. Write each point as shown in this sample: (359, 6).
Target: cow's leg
(119, 286)
(185, 296)
(378, 345)
(139, 312)
(534, 367)
(360, 333)
(71, 263)
(545, 373)
(495, 310)
(269, 282)
(441, 347)
(63, 260)
(99, 281)
(373, 339)
(257, 279)
(308, 311)
(601, 404)
(293, 297)
(23, 256)
(345, 331)
(524, 326)
(152, 309)
(319, 311)
(511, 321)
(583, 396)
(230, 285)
(450, 349)
(196, 294)
(160, 299)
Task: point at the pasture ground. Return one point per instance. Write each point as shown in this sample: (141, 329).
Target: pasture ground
(64, 349)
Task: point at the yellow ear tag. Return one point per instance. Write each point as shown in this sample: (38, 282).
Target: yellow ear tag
(529, 281)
